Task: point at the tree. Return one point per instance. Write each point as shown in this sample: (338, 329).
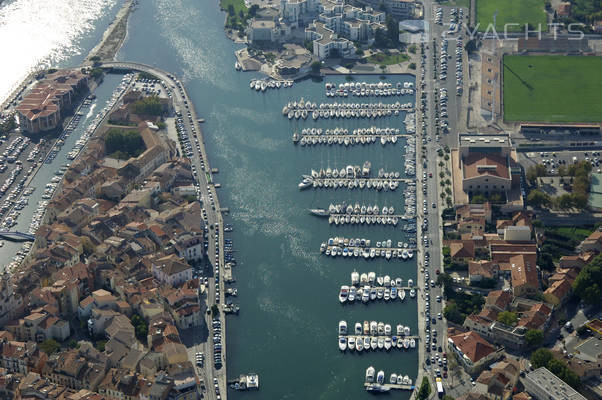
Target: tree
(140, 326)
(507, 317)
(541, 358)
(452, 314)
(214, 310)
(150, 105)
(253, 10)
(126, 143)
(425, 389)
(50, 346)
(412, 49)
(315, 67)
(534, 337)
(88, 246)
(412, 66)
(588, 284)
(538, 199)
(448, 397)
(100, 345)
(231, 10)
(96, 73)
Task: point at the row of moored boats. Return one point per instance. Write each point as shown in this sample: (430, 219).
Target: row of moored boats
(365, 89)
(263, 84)
(375, 382)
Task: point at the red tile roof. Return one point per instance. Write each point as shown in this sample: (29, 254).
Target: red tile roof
(472, 345)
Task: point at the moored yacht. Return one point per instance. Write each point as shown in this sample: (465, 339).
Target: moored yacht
(370, 374)
(342, 327)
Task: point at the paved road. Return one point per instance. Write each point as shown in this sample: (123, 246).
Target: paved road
(214, 221)
(430, 236)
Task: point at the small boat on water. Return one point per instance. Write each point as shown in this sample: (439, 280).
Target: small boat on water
(343, 294)
(342, 327)
(342, 343)
(380, 377)
(320, 212)
(370, 374)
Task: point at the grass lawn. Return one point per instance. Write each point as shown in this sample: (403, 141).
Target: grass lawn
(578, 233)
(552, 88)
(456, 3)
(235, 21)
(388, 59)
(239, 5)
(511, 11)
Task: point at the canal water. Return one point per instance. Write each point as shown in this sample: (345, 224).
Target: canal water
(288, 293)
(47, 171)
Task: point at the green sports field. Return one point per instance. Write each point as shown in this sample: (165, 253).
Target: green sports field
(552, 88)
(511, 11)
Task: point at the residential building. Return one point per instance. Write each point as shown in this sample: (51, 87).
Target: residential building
(474, 352)
(593, 243)
(544, 385)
(44, 106)
(482, 269)
(171, 270)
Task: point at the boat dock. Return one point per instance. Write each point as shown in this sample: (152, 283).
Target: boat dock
(369, 219)
(245, 382)
(391, 386)
(402, 254)
(346, 139)
(354, 183)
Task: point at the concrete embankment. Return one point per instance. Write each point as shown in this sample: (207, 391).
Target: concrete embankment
(115, 34)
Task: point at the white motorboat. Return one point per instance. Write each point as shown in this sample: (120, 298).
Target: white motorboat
(373, 328)
(359, 344)
(388, 329)
(399, 330)
(387, 343)
(351, 343)
(366, 343)
(373, 343)
(358, 328)
(412, 293)
(380, 377)
(406, 380)
(342, 327)
(342, 343)
(355, 278)
(344, 293)
(370, 374)
(406, 330)
(402, 295)
(412, 343)
(393, 379)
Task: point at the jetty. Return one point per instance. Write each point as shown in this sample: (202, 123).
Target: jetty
(388, 387)
(368, 219)
(245, 382)
(303, 109)
(367, 89)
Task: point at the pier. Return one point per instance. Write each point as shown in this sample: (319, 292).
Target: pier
(346, 139)
(354, 183)
(391, 386)
(368, 252)
(369, 219)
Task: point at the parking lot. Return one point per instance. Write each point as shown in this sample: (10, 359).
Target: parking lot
(554, 159)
